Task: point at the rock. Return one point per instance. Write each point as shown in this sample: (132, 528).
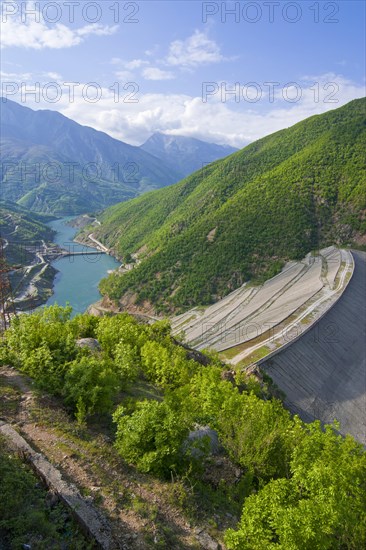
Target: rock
(207, 542)
(205, 431)
(90, 343)
(228, 375)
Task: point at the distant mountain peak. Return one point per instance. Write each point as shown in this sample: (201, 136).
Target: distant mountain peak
(186, 154)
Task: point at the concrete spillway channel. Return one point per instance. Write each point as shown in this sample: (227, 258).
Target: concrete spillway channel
(323, 373)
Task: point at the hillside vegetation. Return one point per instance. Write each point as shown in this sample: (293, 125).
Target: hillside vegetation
(20, 228)
(242, 217)
(295, 485)
(29, 515)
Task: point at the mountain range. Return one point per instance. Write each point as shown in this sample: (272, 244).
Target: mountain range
(241, 218)
(53, 164)
(185, 154)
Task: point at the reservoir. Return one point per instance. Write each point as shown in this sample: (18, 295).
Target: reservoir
(78, 276)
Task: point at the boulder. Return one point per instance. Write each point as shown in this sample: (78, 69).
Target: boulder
(90, 343)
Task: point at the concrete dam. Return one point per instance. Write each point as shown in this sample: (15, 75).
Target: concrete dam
(323, 373)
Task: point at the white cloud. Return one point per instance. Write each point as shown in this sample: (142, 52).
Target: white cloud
(154, 73)
(53, 76)
(196, 50)
(216, 121)
(38, 35)
(124, 75)
(136, 63)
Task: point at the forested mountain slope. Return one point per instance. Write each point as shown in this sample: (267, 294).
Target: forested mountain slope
(241, 217)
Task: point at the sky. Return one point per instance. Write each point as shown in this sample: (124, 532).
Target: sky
(225, 72)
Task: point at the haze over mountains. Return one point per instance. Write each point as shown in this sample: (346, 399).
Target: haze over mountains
(53, 164)
(185, 154)
(242, 217)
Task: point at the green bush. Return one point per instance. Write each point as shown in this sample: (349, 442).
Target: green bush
(90, 386)
(151, 437)
(42, 344)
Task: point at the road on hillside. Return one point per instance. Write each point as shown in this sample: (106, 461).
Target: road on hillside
(324, 373)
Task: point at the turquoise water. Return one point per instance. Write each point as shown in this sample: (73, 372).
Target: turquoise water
(78, 276)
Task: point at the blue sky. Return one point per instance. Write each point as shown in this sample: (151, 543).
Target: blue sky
(169, 66)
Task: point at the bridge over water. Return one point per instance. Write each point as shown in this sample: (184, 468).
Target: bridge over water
(64, 253)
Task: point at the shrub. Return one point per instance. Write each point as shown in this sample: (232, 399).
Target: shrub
(151, 437)
(90, 386)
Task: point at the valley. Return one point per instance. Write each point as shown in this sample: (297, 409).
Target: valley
(242, 218)
(78, 274)
(179, 385)
(46, 265)
(182, 275)
(52, 164)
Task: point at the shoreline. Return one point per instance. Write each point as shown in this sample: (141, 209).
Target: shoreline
(35, 291)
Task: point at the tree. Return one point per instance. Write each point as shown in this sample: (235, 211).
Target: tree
(151, 437)
(322, 506)
(166, 364)
(42, 344)
(259, 435)
(120, 329)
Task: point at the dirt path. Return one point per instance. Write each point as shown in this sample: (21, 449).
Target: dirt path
(141, 510)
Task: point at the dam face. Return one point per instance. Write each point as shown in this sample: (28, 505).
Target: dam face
(323, 374)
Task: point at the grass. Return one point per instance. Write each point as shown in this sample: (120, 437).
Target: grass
(9, 399)
(30, 516)
(254, 357)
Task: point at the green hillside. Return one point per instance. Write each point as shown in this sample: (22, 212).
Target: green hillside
(20, 228)
(241, 217)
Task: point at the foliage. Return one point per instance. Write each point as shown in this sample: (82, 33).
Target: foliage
(321, 506)
(166, 365)
(41, 345)
(259, 435)
(276, 199)
(301, 486)
(121, 329)
(25, 518)
(151, 437)
(85, 325)
(90, 385)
